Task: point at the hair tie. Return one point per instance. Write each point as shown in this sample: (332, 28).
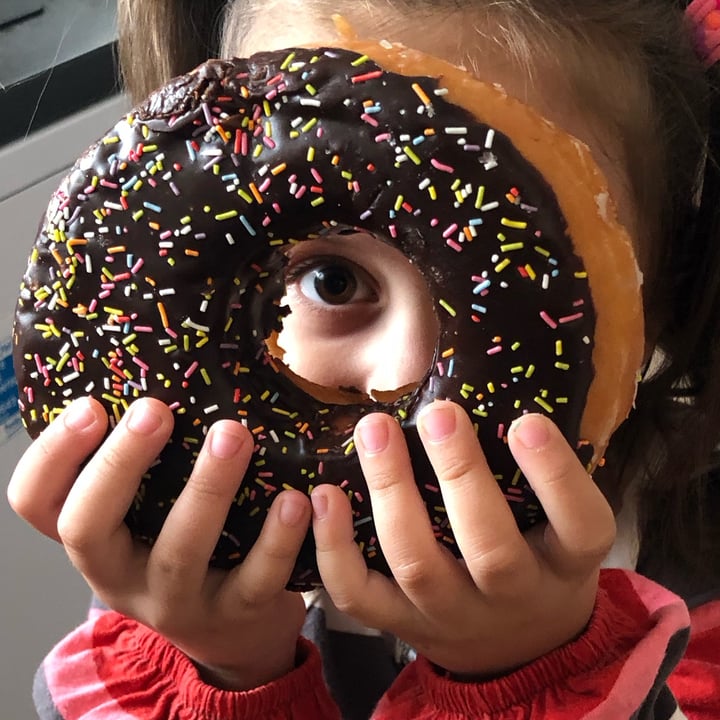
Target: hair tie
(704, 16)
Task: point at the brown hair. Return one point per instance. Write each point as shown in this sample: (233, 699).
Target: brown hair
(629, 63)
(161, 39)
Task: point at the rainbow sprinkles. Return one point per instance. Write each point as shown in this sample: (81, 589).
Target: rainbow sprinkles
(160, 267)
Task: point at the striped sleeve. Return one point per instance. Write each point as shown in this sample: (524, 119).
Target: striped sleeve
(696, 681)
(618, 669)
(112, 668)
(633, 662)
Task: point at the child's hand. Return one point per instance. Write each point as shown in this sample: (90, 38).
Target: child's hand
(241, 627)
(515, 597)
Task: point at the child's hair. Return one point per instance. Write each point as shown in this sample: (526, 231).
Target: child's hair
(630, 64)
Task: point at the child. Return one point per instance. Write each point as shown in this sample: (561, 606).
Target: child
(527, 626)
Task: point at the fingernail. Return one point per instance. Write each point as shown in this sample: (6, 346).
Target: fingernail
(319, 503)
(373, 434)
(532, 431)
(79, 415)
(142, 419)
(290, 512)
(224, 444)
(438, 422)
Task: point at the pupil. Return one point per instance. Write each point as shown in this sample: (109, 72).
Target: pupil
(335, 284)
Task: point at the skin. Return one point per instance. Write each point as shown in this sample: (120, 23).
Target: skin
(355, 297)
(240, 628)
(220, 620)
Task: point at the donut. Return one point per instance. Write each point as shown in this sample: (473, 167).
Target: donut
(159, 270)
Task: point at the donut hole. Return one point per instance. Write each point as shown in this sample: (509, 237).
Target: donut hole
(360, 324)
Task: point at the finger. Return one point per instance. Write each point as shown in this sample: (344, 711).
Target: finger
(401, 519)
(180, 556)
(47, 470)
(581, 526)
(91, 523)
(485, 529)
(364, 594)
(267, 568)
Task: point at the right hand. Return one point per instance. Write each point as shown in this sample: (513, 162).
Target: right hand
(239, 627)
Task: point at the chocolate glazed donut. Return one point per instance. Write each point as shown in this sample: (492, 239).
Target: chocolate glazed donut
(159, 270)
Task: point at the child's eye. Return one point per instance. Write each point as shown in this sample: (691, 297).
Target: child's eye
(332, 282)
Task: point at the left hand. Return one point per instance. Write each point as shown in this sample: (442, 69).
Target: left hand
(514, 597)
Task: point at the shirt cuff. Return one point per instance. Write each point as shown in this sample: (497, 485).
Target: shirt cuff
(141, 669)
(581, 673)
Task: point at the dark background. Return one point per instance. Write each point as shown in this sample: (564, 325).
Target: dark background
(56, 57)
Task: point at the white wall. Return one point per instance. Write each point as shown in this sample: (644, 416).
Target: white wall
(41, 596)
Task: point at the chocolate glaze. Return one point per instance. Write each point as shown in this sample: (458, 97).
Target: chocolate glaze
(159, 268)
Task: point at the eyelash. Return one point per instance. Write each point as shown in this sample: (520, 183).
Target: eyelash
(297, 270)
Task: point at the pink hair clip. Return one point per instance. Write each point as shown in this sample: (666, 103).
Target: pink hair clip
(705, 18)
